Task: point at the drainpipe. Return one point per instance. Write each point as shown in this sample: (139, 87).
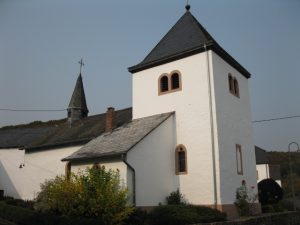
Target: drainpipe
(212, 130)
(133, 177)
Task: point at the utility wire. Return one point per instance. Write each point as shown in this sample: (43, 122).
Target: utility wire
(272, 119)
(33, 110)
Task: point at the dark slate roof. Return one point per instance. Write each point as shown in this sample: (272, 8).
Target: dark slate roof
(78, 97)
(187, 37)
(19, 137)
(80, 132)
(121, 140)
(261, 156)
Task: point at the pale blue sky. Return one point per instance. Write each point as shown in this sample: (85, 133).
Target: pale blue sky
(41, 42)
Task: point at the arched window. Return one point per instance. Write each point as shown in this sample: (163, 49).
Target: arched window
(181, 160)
(233, 85)
(236, 87)
(230, 83)
(164, 83)
(175, 81)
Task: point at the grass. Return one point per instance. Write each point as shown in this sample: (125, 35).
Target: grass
(5, 222)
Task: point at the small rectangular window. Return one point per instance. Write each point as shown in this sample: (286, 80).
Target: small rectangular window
(239, 159)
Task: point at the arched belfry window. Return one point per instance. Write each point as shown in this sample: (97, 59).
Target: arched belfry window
(169, 82)
(233, 85)
(230, 83)
(236, 87)
(175, 81)
(164, 83)
(181, 160)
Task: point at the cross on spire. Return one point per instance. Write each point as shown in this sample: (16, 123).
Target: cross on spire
(81, 64)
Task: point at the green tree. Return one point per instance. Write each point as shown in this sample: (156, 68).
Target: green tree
(95, 192)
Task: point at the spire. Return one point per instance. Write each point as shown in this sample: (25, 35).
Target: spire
(186, 38)
(77, 108)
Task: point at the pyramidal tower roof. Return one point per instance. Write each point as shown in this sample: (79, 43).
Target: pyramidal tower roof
(78, 97)
(187, 37)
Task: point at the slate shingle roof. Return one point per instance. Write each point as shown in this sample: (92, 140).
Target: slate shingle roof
(47, 135)
(187, 37)
(121, 140)
(261, 156)
(20, 137)
(81, 131)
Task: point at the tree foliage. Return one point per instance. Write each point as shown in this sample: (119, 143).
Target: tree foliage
(95, 192)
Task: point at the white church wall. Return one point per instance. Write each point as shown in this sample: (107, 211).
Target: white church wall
(154, 162)
(10, 173)
(233, 117)
(192, 119)
(41, 165)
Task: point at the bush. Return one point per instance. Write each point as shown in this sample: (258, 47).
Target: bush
(269, 192)
(24, 216)
(175, 198)
(94, 193)
(184, 214)
(138, 217)
(19, 202)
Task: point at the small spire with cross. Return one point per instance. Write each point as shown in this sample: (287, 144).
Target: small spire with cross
(187, 6)
(81, 64)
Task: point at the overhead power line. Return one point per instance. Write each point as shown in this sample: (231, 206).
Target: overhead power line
(33, 110)
(279, 118)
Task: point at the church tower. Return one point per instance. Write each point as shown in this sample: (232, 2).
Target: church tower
(189, 73)
(77, 108)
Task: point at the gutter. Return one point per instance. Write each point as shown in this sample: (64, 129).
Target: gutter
(124, 156)
(212, 129)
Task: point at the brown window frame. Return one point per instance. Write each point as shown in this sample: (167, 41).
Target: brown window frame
(239, 159)
(170, 82)
(179, 149)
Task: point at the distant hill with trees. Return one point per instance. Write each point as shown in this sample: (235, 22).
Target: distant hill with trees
(282, 159)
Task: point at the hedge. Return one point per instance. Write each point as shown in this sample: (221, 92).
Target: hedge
(23, 216)
(184, 214)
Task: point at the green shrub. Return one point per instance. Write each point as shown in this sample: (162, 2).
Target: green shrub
(175, 198)
(24, 216)
(138, 217)
(94, 193)
(184, 214)
(19, 202)
(13, 213)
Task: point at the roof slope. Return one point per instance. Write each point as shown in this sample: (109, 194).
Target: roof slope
(186, 37)
(120, 140)
(78, 97)
(19, 137)
(80, 132)
(261, 156)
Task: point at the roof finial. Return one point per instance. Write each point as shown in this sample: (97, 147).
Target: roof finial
(187, 7)
(81, 64)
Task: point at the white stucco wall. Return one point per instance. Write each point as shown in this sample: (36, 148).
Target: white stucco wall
(231, 123)
(40, 165)
(154, 162)
(233, 126)
(10, 173)
(192, 119)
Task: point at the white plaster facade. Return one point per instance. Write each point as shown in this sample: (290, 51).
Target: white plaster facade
(230, 124)
(39, 166)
